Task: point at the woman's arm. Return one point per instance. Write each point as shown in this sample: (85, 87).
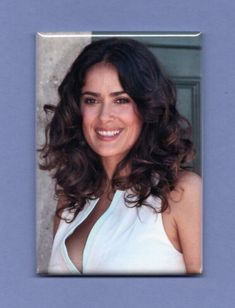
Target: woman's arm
(186, 211)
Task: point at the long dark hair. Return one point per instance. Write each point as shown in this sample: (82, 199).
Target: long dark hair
(161, 151)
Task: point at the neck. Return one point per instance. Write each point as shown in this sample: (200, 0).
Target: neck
(110, 166)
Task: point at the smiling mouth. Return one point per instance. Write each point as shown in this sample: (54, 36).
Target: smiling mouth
(108, 133)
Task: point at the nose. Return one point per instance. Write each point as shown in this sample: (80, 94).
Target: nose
(106, 111)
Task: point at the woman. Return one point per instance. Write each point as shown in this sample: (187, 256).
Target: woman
(119, 149)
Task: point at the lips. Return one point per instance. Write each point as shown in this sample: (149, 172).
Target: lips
(108, 134)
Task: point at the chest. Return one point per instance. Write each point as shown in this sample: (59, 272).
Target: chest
(118, 240)
(76, 242)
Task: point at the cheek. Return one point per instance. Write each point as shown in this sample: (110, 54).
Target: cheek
(134, 121)
(88, 117)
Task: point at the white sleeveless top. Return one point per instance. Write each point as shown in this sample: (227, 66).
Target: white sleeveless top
(123, 241)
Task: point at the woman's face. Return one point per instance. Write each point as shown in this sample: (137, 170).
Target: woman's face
(111, 123)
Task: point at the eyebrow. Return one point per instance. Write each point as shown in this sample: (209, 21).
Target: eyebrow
(97, 94)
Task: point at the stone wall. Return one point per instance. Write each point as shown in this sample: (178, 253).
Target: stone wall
(55, 53)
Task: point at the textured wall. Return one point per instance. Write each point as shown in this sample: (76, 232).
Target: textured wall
(55, 54)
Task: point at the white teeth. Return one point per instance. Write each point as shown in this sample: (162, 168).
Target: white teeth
(108, 133)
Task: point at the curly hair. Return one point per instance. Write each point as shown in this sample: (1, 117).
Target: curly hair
(161, 151)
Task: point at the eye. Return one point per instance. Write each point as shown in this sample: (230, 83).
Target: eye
(122, 100)
(89, 101)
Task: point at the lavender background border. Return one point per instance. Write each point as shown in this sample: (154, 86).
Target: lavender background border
(19, 22)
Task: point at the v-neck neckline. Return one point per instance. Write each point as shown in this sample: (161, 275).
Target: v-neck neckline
(91, 235)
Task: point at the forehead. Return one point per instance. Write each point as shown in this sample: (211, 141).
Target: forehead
(102, 76)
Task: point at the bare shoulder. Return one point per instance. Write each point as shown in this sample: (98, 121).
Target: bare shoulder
(185, 203)
(189, 181)
(60, 205)
(187, 190)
